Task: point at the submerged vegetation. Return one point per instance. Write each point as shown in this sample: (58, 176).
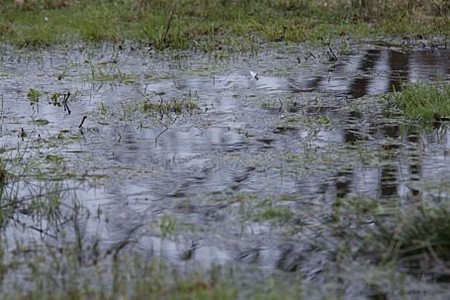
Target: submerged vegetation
(174, 105)
(214, 25)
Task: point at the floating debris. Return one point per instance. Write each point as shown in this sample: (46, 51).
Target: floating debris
(22, 134)
(82, 122)
(66, 107)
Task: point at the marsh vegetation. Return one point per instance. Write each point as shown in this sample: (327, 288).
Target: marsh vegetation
(214, 25)
(141, 158)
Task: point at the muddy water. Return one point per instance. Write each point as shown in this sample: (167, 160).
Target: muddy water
(193, 188)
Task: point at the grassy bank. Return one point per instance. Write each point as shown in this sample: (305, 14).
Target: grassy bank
(213, 24)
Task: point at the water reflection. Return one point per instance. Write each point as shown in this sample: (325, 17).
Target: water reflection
(377, 71)
(196, 167)
(360, 86)
(415, 161)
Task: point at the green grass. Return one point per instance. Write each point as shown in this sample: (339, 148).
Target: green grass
(424, 232)
(109, 72)
(413, 236)
(3, 173)
(213, 24)
(176, 105)
(425, 102)
(274, 213)
(137, 279)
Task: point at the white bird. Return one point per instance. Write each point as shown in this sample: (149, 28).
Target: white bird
(254, 75)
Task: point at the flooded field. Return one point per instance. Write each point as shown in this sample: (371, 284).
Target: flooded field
(300, 172)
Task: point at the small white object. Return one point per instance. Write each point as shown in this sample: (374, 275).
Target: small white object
(254, 75)
(46, 19)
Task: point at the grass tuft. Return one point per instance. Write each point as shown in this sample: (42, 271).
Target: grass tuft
(3, 174)
(424, 102)
(175, 105)
(276, 213)
(423, 236)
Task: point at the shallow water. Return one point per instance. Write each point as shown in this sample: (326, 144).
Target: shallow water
(295, 138)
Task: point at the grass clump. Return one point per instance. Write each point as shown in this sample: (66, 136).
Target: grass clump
(424, 102)
(33, 95)
(3, 173)
(276, 213)
(428, 227)
(415, 238)
(175, 105)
